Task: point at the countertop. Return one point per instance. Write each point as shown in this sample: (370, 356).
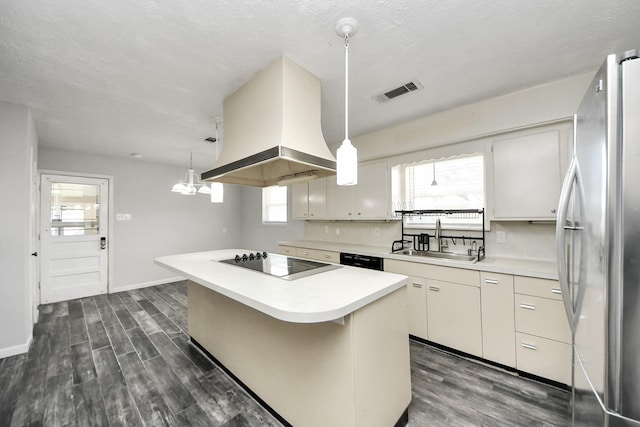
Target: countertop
(516, 266)
(322, 297)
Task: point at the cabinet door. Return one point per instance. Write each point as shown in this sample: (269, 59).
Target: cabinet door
(453, 316)
(299, 201)
(339, 200)
(317, 190)
(371, 193)
(417, 297)
(527, 176)
(498, 326)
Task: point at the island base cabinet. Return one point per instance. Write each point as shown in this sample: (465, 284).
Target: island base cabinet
(453, 316)
(350, 373)
(544, 357)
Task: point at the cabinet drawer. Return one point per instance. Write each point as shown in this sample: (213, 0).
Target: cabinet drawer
(286, 250)
(326, 256)
(542, 317)
(544, 288)
(435, 272)
(544, 357)
(417, 299)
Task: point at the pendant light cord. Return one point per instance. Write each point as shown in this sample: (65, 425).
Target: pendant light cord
(346, 86)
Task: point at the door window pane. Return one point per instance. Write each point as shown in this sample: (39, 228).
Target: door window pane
(75, 209)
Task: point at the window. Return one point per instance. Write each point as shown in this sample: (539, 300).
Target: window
(454, 183)
(274, 204)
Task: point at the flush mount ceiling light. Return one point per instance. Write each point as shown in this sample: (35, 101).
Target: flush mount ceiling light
(191, 184)
(347, 155)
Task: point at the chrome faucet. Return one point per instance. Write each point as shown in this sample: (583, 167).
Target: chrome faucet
(437, 235)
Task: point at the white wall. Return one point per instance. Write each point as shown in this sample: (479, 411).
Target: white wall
(163, 223)
(17, 140)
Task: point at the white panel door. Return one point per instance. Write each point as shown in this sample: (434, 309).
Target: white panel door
(73, 237)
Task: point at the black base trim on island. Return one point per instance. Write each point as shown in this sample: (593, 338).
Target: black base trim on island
(491, 363)
(402, 421)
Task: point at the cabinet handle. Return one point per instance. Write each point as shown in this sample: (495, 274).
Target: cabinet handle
(528, 306)
(529, 346)
(556, 291)
(305, 253)
(349, 213)
(359, 213)
(417, 285)
(553, 211)
(492, 281)
(434, 288)
(312, 214)
(327, 256)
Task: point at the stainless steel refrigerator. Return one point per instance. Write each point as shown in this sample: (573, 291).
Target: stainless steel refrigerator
(598, 237)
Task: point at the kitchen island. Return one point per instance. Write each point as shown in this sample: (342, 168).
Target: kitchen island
(326, 349)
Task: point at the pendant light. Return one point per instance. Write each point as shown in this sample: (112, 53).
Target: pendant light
(434, 182)
(191, 184)
(347, 155)
(217, 189)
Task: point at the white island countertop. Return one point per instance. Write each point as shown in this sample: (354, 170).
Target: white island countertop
(321, 297)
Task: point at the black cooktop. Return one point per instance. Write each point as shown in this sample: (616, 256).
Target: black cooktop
(281, 266)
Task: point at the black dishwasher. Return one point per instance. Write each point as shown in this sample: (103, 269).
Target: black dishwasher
(364, 261)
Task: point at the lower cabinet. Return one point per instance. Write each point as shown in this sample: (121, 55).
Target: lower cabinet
(417, 300)
(453, 316)
(543, 337)
(498, 325)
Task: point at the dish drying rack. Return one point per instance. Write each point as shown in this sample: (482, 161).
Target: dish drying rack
(420, 241)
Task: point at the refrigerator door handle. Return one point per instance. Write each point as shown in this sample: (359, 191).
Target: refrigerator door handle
(570, 181)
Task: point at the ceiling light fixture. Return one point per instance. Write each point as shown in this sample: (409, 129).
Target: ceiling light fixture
(191, 183)
(217, 189)
(347, 155)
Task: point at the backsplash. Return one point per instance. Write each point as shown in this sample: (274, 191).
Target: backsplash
(526, 240)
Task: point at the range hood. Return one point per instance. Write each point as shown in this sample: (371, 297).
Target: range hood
(272, 130)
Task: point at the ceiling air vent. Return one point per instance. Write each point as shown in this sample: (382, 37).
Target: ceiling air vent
(411, 86)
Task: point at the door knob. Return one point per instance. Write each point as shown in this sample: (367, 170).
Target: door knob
(34, 254)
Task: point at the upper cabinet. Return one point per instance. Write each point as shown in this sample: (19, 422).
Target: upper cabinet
(309, 200)
(527, 174)
(324, 199)
(369, 199)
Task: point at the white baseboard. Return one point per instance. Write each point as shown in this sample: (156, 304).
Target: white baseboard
(146, 284)
(16, 349)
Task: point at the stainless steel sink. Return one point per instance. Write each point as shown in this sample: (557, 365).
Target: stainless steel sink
(442, 255)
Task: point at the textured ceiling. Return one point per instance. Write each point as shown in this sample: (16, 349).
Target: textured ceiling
(143, 76)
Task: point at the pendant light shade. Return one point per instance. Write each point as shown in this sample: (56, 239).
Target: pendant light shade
(347, 154)
(347, 164)
(217, 189)
(217, 192)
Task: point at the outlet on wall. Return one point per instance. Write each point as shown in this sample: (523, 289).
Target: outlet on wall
(501, 237)
(337, 231)
(326, 229)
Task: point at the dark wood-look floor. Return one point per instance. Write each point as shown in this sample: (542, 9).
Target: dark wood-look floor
(124, 360)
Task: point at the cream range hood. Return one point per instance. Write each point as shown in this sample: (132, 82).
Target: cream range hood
(272, 130)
